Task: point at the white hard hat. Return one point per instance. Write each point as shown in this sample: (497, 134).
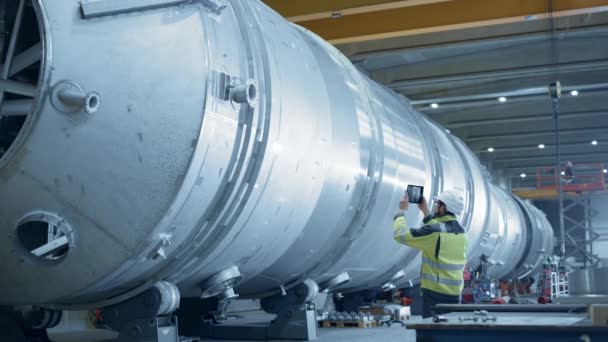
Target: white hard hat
(453, 201)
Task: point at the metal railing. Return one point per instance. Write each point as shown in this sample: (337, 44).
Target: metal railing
(585, 177)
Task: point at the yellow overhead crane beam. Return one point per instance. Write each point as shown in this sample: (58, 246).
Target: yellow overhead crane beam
(299, 11)
(540, 194)
(537, 194)
(347, 21)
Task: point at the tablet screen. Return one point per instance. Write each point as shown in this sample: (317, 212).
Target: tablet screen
(414, 192)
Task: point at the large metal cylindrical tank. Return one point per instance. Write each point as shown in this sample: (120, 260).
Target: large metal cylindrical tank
(208, 140)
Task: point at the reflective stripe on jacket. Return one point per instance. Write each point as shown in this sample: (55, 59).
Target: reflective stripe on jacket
(443, 243)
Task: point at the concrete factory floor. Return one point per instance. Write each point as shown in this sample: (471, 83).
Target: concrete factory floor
(381, 334)
(72, 332)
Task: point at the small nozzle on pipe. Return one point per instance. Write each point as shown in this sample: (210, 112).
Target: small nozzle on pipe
(245, 93)
(72, 97)
(69, 97)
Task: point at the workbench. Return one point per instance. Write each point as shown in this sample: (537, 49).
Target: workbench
(511, 327)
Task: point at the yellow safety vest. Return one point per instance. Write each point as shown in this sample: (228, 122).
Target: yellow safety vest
(443, 243)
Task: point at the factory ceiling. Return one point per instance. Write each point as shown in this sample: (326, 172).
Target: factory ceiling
(481, 68)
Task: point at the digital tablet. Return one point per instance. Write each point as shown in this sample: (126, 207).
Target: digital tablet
(415, 192)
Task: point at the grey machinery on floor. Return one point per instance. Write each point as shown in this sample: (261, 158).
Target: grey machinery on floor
(587, 286)
(214, 146)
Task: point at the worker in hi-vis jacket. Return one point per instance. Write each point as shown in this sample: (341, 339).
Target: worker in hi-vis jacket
(443, 243)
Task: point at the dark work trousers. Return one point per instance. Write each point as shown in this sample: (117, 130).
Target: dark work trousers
(432, 298)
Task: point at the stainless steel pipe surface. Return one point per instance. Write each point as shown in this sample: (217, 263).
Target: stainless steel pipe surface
(183, 176)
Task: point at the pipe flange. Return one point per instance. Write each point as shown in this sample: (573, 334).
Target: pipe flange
(245, 94)
(388, 287)
(398, 276)
(335, 282)
(221, 284)
(92, 102)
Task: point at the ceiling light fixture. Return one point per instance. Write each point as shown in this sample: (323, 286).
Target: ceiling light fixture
(574, 93)
(434, 105)
(490, 149)
(523, 175)
(594, 143)
(541, 146)
(502, 99)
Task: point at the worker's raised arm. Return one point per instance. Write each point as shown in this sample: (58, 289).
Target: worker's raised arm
(420, 238)
(416, 238)
(399, 223)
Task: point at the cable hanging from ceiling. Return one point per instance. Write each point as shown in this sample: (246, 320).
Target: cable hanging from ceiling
(552, 37)
(555, 94)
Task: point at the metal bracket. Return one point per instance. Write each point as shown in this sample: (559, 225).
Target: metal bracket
(296, 318)
(146, 317)
(159, 250)
(335, 282)
(232, 89)
(555, 90)
(295, 324)
(390, 285)
(160, 329)
(215, 6)
(101, 8)
(224, 86)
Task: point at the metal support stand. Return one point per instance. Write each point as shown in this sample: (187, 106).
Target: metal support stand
(298, 323)
(146, 317)
(296, 314)
(295, 320)
(10, 327)
(27, 326)
(293, 324)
